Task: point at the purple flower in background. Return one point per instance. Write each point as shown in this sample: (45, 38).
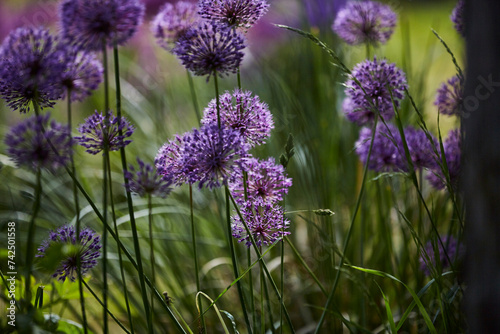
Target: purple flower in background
(454, 252)
(266, 222)
(90, 23)
(422, 150)
(243, 112)
(169, 161)
(378, 80)
(235, 13)
(210, 48)
(457, 17)
(452, 153)
(83, 74)
(365, 22)
(320, 12)
(212, 155)
(173, 21)
(37, 143)
(95, 127)
(87, 250)
(266, 181)
(449, 97)
(387, 152)
(29, 68)
(146, 181)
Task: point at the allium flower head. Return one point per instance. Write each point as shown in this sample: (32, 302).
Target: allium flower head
(235, 13)
(243, 112)
(265, 181)
(365, 22)
(387, 152)
(452, 153)
(31, 143)
(449, 97)
(169, 161)
(422, 150)
(266, 222)
(210, 48)
(29, 67)
(454, 252)
(83, 73)
(378, 80)
(90, 23)
(95, 127)
(457, 17)
(146, 181)
(87, 250)
(173, 21)
(212, 156)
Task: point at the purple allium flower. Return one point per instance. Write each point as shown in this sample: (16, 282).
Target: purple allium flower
(457, 17)
(266, 222)
(450, 96)
(83, 73)
(454, 252)
(211, 155)
(243, 112)
(94, 128)
(34, 142)
(422, 150)
(210, 48)
(387, 152)
(235, 13)
(173, 21)
(378, 79)
(365, 22)
(169, 161)
(146, 181)
(265, 180)
(452, 153)
(90, 23)
(88, 250)
(29, 67)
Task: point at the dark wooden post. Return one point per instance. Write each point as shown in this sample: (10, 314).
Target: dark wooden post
(481, 177)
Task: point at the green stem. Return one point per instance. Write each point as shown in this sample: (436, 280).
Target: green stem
(216, 84)
(238, 77)
(262, 314)
(152, 255)
(193, 96)
(30, 250)
(130, 204)
(349, 233)
(78, 223)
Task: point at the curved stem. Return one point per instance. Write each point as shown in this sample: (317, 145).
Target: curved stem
(193, 96)
(151, 256)
(216, 84)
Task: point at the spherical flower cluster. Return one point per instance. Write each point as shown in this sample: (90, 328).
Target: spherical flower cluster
(422, 150)
(243, 112)
(265, 181)
(36, 143)
(173, 21)
(365, 22)
(235, 13)
(210, 48)
(265, 221)
(457, 17)
(146, 181)
(83, 73)
(97, 128)
(90, 23)
(454, 252)
(29, 68)
(452, 153)
(87, 250)
(212, 155)
(369, 88)
(449, 97)
(169, 161)
(387, 151)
